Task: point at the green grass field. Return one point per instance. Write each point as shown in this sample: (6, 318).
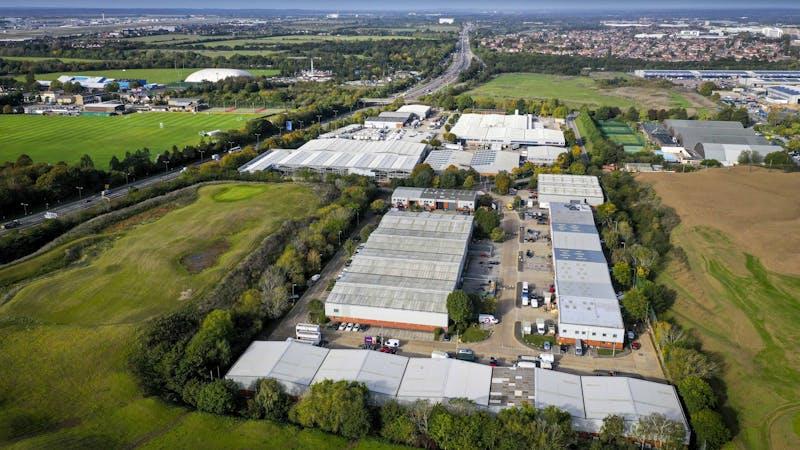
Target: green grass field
(64, 336)
(47, 58)
(621, 133)
(169, 38)
(748, 316)
(61, 138)
(577, 91)
(162, 76)
(300, 39)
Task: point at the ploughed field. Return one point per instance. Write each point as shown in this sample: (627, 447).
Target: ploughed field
(739, 290)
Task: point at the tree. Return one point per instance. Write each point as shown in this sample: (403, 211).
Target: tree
(696, 394)
(486, 220)
(622, 273)
(502, 183)
(636, 305)
(378, 206)
(526, 427)
(271, 399)
(498, 235)
(632, 114)
(710, 429)
(659, 428)
(777, 159)
(461, 430)
(340, 407)
(644, 258)
(217, 397)
(86, 162)
(459, 307)
(749, 157)
(613, 430)
(397, 426)
(577, 168)
(422, 175)
(469, 182)
(112, 87)
(8, 109)
(350, 247)
(687, 362)
(210, 348)
(365, 232)
(707, 88)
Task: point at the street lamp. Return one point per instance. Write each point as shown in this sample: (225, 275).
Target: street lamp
(25, 205)
(340, 237)
(201, 154)
(80, 191)
(319, 119)
(293, 285)
(258, 140)
(166, 165)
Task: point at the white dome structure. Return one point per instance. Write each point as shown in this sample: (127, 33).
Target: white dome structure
(217, 74)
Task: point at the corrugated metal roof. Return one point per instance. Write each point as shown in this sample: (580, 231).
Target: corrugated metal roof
(446, 379)
(506, 129)
(287, 361)
(380, 372)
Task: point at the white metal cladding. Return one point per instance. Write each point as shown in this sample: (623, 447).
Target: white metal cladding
(559, 389)
(588, 305)
(438, 379)
(420, 111)
(411, 262)
(440, 160)
(376, 313)
(564, 188)
(380, 372)
(292, 363)
(506, 129)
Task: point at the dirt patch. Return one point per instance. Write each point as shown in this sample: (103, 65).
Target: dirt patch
(203, 259)
(757, 208)
(148, 216)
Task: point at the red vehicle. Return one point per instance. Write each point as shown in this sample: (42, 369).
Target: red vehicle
(552, 288)
(493, 361)
(636, 345)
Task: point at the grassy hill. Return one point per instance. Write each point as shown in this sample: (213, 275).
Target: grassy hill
(64, 336)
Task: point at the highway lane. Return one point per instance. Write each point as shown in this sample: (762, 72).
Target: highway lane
(461, 62)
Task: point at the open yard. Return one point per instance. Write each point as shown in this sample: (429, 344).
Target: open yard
(583, 90)
(162, 76)
(64, 335)
(65, 138)
(739, 290)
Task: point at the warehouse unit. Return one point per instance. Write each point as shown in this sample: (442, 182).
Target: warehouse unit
(590, 399)
(569, 188)
(380, 372)
(438, 380)
(434, 198)
(403, 275)
(545, 155)
(420, 111)
(380, 159)
(723, 141)
(291, 363)
(784, 94)
(484, 161)
(506, 130)
(588, 308)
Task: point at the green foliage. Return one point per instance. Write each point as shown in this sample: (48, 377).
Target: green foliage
(613, 430)
(422, 175)
(474, 334)
(460, 308)
(271, 400)
(217, 397)
(710, 163)
(498, 234)
(469, 182)
(350, 247)
(622, 273)
(486, 220)
(210, 347)
(397, 425)
(378, 206)
(636, 304)
(710, 429)
(750, 157)
(778, 159)
(707, 88)
(316, 312)
(526, 427)
(502, 183)
(686, 362)
(696, 394)
(340, 407)
(734, 114)
(659, 428)
(470, 429)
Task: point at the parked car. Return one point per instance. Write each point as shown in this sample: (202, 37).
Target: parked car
(51, 215)
(579, 348)
(493, 361)
(315, 278)
(636, 345)
(547, 346)
(349, 327)
(357, 327)
(446, 337)
(342, 326)
(10, 225)
(388, 350)
(393, 343)
(436, 354)
(465, 354)
(631, 335)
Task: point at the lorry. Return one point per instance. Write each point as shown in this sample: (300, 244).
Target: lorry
(308, 337)
(488, 319)
(50, 215)
(307, 328)
(540, 326)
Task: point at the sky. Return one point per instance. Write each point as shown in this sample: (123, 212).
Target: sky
(344, 5)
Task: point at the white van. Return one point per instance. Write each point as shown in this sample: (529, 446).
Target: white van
(525, 294)
(488, 319)
(578, 347)
(436, 354)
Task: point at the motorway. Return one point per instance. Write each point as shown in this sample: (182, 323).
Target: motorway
(460, 62)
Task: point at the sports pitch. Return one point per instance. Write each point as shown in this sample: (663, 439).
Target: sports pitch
(61, 138)
(162, 76)
(620, 133)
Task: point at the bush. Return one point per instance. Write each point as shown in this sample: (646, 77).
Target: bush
(498, 235)
(217, 397)
(340, 407)
(271, 400)
(437, 333)
(696, 393)
(474, 334)
(711, 432)
(316, 312)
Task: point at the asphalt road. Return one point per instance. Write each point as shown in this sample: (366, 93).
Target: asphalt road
(461, 61)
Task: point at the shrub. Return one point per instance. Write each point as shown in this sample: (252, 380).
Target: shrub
(271, 399)
(474, 334)
(217, 397)
(710, 430)
(340, 407)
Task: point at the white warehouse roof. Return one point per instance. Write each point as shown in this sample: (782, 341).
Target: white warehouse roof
(505, 129)
(583, 285)
(589, 399)
(380, 372)
(567, 188)
(292, 363)
(412, 262)
(343, 155)
(216, 74)
(441, 379)
(421, 111)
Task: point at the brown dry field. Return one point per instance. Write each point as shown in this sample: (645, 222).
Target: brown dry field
(758, 208)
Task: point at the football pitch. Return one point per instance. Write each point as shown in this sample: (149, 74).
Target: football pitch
(63, 138)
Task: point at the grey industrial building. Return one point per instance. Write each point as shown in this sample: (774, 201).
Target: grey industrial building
(588, 399)
(434, 198)
(484, 161)
(380, 159)
(505, 130)
(723, 141)
(404, 273)
(554, 188)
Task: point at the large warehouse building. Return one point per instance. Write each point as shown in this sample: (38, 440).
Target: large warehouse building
(588, 308)
(588, 399)
(506, 130)
(380, 159)
(403, 275)
(723, 141)
(484, 161)
(569, 188)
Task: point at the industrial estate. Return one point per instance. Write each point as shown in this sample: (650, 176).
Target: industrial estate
(347, 229)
